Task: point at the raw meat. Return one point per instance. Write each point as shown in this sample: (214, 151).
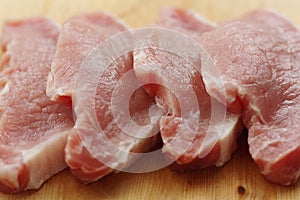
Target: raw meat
(78, 37)
(193, 136)
(184, 21)
(33, 129)
(258, 60)
(97, 145)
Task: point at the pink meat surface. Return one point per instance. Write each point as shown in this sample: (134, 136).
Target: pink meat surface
(79, 35)
(33, 129)
(92, 153)
(183, 134)
(258, 57)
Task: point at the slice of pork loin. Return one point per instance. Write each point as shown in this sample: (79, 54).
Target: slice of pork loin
(79, 35)
(33, 129)
(155, 64)
(93, 153)
(257, 57)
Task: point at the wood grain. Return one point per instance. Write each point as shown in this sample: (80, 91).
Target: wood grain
(239, 179)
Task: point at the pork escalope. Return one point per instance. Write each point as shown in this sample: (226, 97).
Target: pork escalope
(33, 129)
(257, 58)
(194, 137)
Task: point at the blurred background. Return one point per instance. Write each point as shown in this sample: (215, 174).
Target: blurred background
(142, 12)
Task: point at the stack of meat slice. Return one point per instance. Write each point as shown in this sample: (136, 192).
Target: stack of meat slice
(97, 145)
(33, 129)
(258, 60)
(197, 131)
(198, 81)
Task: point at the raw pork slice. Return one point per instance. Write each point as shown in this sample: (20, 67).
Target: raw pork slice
(97, 145)
(258, 60)
(33, 129)
(169, 78)
(78, 37)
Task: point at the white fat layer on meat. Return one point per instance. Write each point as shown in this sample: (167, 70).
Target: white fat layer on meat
(46, 159)
(214, 84)
(75, 149)
(211, 76)
(201, 18)
(226, 133)
(50, 85)
(228, 139)
(51, 89)
(6, 85)
(10, 173)
(258, 115)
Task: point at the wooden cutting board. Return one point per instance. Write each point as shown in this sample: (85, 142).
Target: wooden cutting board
(239, 179)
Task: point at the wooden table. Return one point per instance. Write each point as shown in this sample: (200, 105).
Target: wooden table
(239, 179)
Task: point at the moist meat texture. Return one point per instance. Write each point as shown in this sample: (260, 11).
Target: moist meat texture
(183, 127)
(79, 35)
(33, 129)
(97, 145)
(258, 57)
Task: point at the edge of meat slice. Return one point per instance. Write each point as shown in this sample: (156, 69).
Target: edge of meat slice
(170, 71)
(33, 129)
(185, 21)
(92, 153)
(257, 57)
